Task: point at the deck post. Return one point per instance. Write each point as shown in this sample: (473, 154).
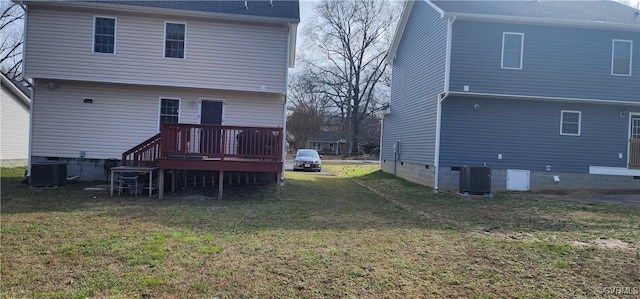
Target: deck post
(278, 184)
(174, 181)
(160, 183)
(220, 184)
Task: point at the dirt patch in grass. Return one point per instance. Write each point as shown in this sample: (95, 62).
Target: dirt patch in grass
(629, 198)
(608, 243)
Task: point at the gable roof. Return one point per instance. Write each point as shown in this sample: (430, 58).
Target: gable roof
(17, 88)
(600, 14)
(258, 10)
(599, 11)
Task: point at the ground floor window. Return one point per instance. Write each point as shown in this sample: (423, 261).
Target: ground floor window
(169, 111)
(570, 123)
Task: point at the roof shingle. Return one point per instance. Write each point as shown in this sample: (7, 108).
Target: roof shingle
(583, 10)
(282, 9)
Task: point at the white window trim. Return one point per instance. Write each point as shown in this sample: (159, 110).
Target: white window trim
(160, 109)
(164, 40)
(212, 100)
(115, 34)
(521, 50)
(579, 122)
(631, 115)
(613, 45)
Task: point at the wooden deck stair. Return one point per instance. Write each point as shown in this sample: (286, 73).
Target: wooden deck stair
(144, 154)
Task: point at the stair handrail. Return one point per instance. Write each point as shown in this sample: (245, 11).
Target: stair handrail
(144, 154)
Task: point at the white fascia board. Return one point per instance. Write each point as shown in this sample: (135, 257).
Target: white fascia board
(543, 21)
(542, 98)
(438, 9)
(293, 31)
(406, 11)
(605, 170)
(16, 91)
(166, 11)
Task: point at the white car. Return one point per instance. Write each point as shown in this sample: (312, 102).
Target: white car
(307, 159)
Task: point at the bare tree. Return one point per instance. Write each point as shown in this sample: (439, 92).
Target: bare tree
(12, 38)
(349, 42)
(308, 104)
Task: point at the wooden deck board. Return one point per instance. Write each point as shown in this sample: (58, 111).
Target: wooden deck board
(216, 164)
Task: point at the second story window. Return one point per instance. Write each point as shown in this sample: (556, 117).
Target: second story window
(104, 35)
(174, 38)
(621, 57)
(512, 44)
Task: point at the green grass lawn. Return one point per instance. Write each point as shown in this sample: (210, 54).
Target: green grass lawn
(357, 234)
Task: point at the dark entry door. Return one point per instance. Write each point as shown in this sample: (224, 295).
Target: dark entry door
(210, 138)
(211, 113)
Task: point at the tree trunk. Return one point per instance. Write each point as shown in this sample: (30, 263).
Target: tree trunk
(355, 128)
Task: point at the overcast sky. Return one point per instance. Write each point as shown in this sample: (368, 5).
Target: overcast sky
(306, 12)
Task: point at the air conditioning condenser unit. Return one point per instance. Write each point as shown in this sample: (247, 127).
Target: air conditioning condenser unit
(475, 180)
(48, 174)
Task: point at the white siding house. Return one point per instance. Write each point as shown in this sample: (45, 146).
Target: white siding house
(14, 124)
(102, 69)
(218, 54)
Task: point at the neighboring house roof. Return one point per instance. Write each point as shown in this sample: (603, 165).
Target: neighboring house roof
(589, 11)
(601, 14)
(327, 136)
(17, 88)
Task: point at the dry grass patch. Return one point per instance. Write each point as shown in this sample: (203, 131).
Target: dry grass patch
(326, 237)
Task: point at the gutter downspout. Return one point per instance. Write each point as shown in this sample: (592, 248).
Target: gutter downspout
(441, 97)
(381, 141)
(33, 88)
(33, 92)
(436, 159)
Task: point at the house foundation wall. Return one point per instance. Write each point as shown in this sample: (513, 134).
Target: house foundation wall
(419, 173)
(83, 169)
(540, 180)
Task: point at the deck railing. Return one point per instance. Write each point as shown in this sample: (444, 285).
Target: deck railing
(143, 154)
(210, 141)
(634, 153)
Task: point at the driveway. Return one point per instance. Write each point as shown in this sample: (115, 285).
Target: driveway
(288, 164)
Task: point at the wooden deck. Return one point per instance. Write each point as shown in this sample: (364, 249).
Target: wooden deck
(228, 164)
(210, 148)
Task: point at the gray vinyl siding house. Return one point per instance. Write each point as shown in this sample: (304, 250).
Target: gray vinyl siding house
(559, 110)
(100, 87)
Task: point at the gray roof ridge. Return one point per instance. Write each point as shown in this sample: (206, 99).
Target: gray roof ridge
(267, 10)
